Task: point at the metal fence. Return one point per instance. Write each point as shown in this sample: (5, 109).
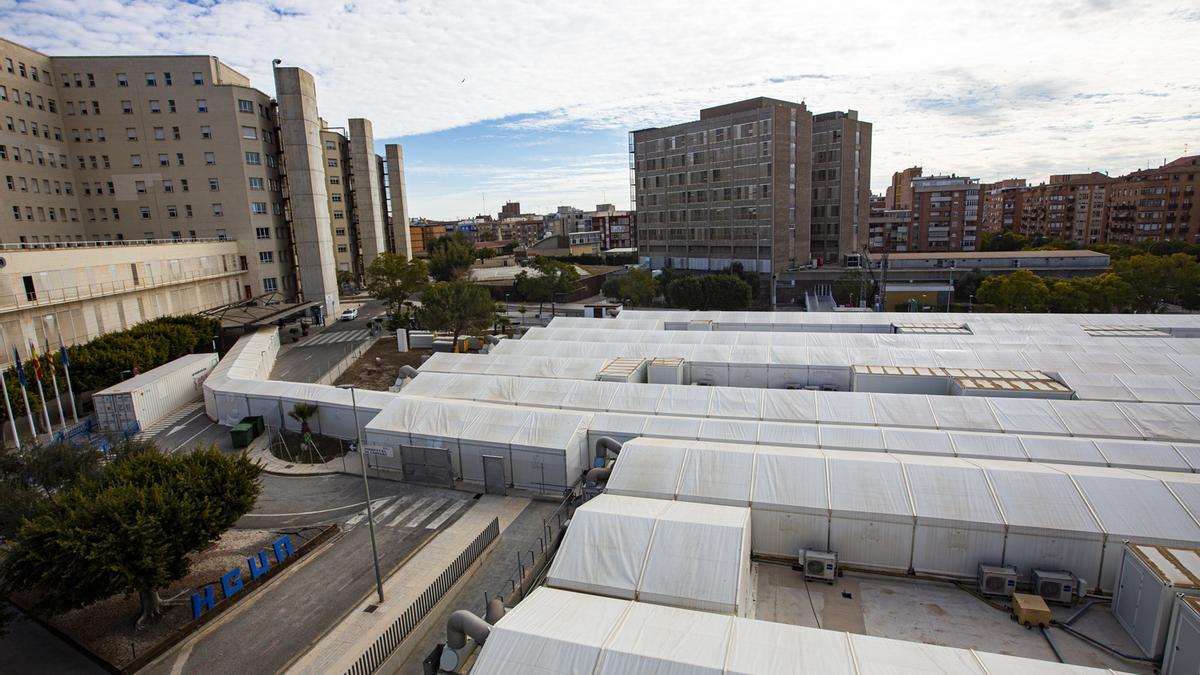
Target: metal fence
(416, 612)
(526, 573)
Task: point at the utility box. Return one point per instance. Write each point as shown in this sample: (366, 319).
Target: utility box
(148, 397)
(665, 371)
(1030, 610)
(623, 370)
(1182, 653)
(1149, 579)
(997, 580)
(241, 434)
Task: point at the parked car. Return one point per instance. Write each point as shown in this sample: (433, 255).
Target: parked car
(349, 314)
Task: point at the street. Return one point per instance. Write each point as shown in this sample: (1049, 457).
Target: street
(313, 355)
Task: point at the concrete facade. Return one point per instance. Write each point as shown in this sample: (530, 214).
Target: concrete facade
(945, 214)
(341, 201)
(402, 242)
(369, 212)
(841, 184)
(300, 138)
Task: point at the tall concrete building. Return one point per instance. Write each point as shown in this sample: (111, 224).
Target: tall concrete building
(1001, 204)
(841, 184)
(132, 151)
(945, 214)
(732, 187)
(402, 242)
(1156, 204)
(1070, 207)
(899, 193)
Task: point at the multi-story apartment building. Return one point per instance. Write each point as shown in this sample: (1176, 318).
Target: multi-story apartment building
(889, 228)
(945, 214)
(899, 193)
(732, 187)
(336, 147)
(1001, 204)
(1156, 204)
(126, 149)
(618, 229)
(1071, 207)
(564, 221)
(510, 210)
(358, 200)
(841, 184)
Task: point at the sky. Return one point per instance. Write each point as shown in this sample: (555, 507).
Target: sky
(533, 101)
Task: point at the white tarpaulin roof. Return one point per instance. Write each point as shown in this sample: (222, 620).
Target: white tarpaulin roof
(672, 553)
(556, 632)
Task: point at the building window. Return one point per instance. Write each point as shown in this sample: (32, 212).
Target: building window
(269, 284)
(340, 231)
(151, 80)
(198, 78)
(214, 184)
(262, 233)
(168, 186)
(338, 215)
(127, 107)
(256, 183)
(170, 105)
(335, 180)
(245, 106)
(218, 210)
(122, 80)
(131, 134)
(210, 158)
(154, 107)
(330, 146)
(335, 197)
(179, 158)
(172, 212)
(160, 134)
(201, 105)
(266, 256)
(140, 186)
(205, 132)
(166, 79)
(164, 159)
(144, 211)
(187, 210)
(342, 248)
(332, 162)
(135, 161)
(253, 158)
(250, 133)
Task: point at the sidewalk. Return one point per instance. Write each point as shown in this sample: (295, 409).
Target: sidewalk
(341, 647)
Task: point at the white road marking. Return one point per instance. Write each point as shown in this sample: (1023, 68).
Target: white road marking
(361, 515)
(445, 515)
(406, 512)
(425, 513)
(184, 425)
(382, 515)
(307, 513)
(180, 446)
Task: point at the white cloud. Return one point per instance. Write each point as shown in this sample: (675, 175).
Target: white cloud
(984, 88)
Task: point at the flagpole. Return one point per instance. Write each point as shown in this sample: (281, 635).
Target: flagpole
(25, 393)
(41, 391)
(70, 389)
(58, 399)
(8, 407)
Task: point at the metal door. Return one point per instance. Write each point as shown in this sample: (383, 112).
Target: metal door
(493, 475)
(432, 466)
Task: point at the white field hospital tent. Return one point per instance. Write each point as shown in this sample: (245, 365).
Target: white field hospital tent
(541, 449)
(935, 515)
(695, 556)
(556, 632)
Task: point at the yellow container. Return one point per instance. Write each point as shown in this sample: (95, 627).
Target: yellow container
(1030, 610)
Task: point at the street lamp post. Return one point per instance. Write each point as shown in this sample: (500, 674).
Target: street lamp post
(362, 457)
(971, 303)
(214, 340)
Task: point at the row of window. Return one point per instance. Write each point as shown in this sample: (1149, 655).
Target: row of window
(151, 79)
(42, 103)
(18, 68)
(32, 156)
(20, 126)
(33, 185)
(54, 216)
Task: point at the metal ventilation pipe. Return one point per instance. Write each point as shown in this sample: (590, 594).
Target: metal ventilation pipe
(605, 445)
(409, 371)
(491, 339)
(596, 475)
(463, 623)
(495, 610)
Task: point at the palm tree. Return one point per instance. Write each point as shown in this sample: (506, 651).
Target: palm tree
(301, 412)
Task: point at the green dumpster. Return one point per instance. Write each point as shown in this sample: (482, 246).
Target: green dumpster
(242, 434)
(256, 421)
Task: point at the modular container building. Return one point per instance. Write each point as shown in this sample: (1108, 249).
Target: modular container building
(1182, 653)
(695, 556)
(935, 515)
(556, 631)
(146, 398)
(1149, 580)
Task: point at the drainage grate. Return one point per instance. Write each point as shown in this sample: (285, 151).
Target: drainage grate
(370, 609)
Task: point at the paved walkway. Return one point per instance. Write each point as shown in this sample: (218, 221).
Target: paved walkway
(258, 450)
(341, 647)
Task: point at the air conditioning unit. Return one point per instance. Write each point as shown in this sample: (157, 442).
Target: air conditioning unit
(819, 564)
(1057, 586)
(997, 580)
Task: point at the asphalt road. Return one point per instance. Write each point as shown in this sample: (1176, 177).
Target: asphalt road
(312, 356)
(27, 647)
(268, 630)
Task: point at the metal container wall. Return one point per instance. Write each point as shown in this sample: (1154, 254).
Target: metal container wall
(152, 395)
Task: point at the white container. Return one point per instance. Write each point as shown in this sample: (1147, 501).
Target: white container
(150, 396)
(665, 371)
(1149, 580)
(1182, 654)
(899, 380)
(420, 339)
(623, 370)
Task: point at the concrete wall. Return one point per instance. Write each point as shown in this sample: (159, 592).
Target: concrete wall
(402, 242)
(368, 210)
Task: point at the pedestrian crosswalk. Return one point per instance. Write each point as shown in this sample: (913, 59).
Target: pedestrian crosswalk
(331, 337)
(172, 418)
(409, 512)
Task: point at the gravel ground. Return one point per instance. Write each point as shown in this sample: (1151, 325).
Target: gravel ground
(106, 628)
(378, 368)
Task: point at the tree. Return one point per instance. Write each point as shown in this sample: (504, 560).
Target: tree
(458, 307)
(345, 278)
(450, 256)
(1160, 280)
(849, 289)
(1107, 293)
(1003, 241)
(687, 292)
(393, 279)
(1021, 291)
(726, 292)
(561, 278)
(132, 530)
(636, 288)
(1067, 296)
(301, 412)
(534, 288)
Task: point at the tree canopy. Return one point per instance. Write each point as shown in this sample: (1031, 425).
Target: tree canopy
(709, 292)
(636, 288)
(1160, 280)
(450, 256)
(393, 279)
(1021, 291)
(458, 307)
(131, 529)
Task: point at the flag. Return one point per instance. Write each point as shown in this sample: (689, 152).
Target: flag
(37, 362)
(62, 350)
(20, 368)
(49, 357)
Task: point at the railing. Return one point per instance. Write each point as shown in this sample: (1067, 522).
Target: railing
(37, 245)
(54, 296)
(420, 608)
